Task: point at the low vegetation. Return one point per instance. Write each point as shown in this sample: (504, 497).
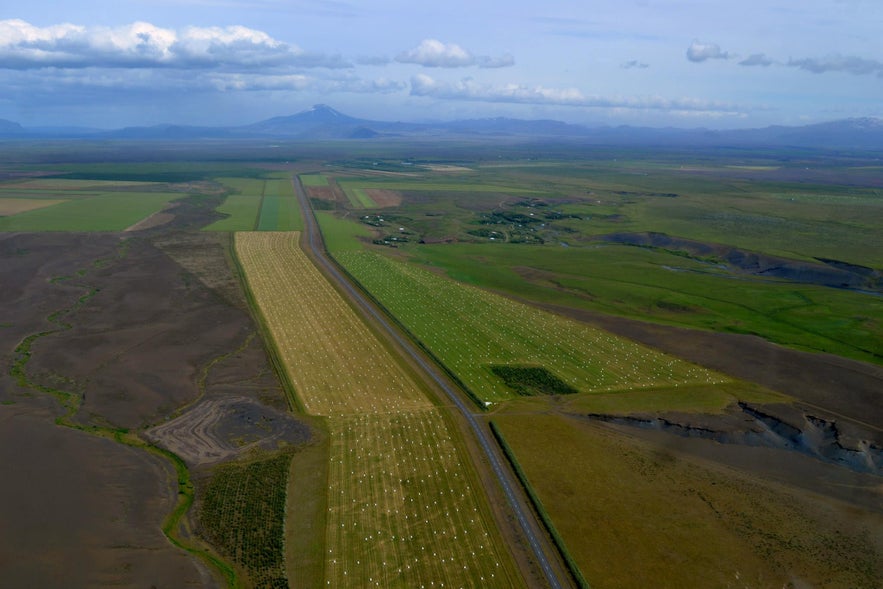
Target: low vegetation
(635, 515)
(242, 513)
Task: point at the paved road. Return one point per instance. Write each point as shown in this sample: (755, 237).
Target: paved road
(556, 577)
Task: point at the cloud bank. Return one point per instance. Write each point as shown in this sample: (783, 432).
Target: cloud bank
(434, 53)
(756, 59)
(849, 64)
(468, 89)
(143, 45)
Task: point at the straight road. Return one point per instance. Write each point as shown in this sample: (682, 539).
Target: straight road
(556, 575)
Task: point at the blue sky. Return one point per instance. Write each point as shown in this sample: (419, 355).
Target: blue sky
(685, 63)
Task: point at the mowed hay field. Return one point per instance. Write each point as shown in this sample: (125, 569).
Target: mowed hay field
(332, 359)
(471, 331)
(403, 509)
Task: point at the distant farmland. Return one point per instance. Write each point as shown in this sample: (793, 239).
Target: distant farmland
(257, 204)
(78, 205)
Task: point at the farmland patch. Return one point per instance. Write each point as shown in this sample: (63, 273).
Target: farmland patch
(467, 329)
(337, 366)
(383, 197)
(14, 206)
(104, 212)
(400, 484)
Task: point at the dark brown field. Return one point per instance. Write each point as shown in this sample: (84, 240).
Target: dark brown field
(123, 336)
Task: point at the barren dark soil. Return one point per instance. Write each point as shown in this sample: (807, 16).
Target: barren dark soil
(82, 511)
(131, 338)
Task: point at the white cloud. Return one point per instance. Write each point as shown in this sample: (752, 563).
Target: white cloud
(469, 89)
(434, 53)
(143, 45)
(699, 52)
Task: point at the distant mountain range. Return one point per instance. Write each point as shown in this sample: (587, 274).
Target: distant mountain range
(322, 122)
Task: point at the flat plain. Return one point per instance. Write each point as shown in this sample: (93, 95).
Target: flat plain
(680, 349)
(655, 471)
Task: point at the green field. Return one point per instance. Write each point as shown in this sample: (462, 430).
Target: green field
(670, 288)
(313, 180)
(261, 204)
(544, 242)
(471, 331)
(111, 211)
(279, 208)
(243, 204)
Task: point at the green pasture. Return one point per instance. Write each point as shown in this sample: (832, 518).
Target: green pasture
(279, 209)
(259, 204)
(243, 204)
(341, 234)
(835, 218)
(181, 170)
(752, 204)
(357, 197)
(667, 288)
(110, 211)
(243, 212)
(313, 180)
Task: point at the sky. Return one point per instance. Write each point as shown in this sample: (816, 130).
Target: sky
(682, 63)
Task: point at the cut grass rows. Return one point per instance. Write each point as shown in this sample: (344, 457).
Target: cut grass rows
(471, 331)
(334, 362)
(397, 482)
(403, 509)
